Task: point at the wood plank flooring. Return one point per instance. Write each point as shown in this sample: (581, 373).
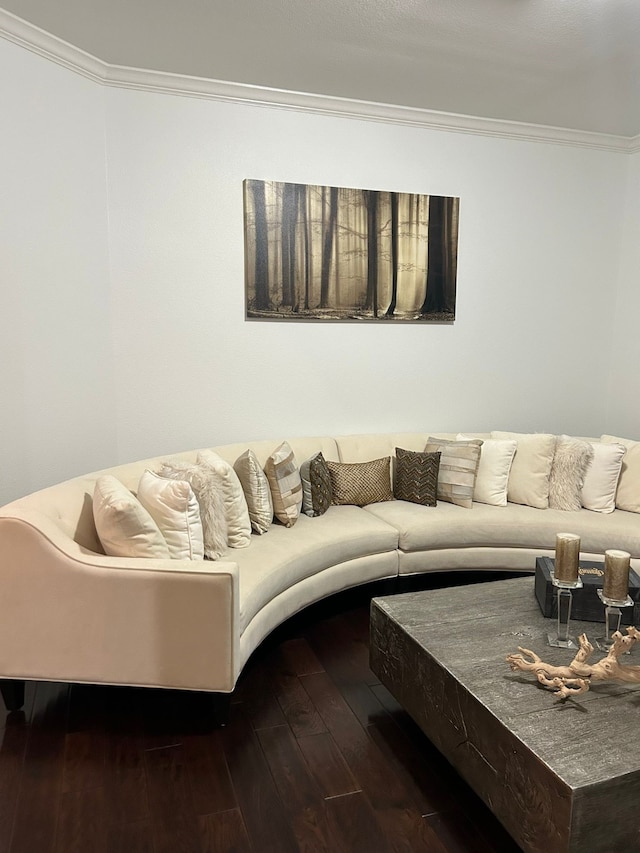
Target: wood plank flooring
(317, 757)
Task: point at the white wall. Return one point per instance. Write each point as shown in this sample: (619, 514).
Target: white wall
(538, 228)
(123, 331)
(624, 386)
(56, 379)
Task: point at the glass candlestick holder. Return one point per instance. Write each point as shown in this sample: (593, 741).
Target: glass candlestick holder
(564, 593)
(612, 619)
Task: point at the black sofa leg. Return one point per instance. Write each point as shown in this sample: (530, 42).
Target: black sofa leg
(221, 705)
(12, 693)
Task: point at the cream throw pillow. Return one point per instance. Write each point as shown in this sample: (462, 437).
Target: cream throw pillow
(492, 479)
(256, 491)
(285, 484)
(568, 470)
(531, 467)
(601, 479)
(206, 488)
(235, 504)
(628, 493)
(174, 508)
(124, 526)
(458, 467)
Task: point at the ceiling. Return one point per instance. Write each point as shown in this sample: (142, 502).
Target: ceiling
(564, 63)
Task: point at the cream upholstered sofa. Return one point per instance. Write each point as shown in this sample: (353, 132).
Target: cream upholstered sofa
(70, 613)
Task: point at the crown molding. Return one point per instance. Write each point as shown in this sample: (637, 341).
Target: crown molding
(51, 47)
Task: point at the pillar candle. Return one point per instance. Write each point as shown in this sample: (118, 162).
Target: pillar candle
(616, 575)
(567, 557)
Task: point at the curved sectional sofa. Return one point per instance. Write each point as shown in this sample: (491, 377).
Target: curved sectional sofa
(70, 613)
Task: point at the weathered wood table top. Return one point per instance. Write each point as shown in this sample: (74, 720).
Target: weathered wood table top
(560, 775)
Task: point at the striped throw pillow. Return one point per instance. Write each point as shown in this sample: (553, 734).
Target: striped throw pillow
(285, 484)
(458, 468)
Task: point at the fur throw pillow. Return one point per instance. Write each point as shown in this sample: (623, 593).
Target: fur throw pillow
(571, 459)
(206, 487)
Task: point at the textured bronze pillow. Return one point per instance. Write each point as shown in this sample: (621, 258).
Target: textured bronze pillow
(361, 483)
(316, 486)
(321, 489)
(416, 477)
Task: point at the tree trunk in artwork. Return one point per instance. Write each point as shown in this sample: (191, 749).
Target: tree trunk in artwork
(327, 248)
(451, 253)
(261, 273)
(434, 302)
(304, 223)
(287, 236)
(394, 255)
(293, 224)
(372, 251)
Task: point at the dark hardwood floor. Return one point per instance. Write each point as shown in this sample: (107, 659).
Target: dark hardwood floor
(317, 757)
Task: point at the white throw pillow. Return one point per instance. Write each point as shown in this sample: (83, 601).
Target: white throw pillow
(206, 487)
(174, 508)
(124, 526)
(235, 504)
(531, 467)
(628, 493)
(601, 479)
(256, 491)
(492, 479)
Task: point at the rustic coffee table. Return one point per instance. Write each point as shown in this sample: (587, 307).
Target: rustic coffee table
(561, 776)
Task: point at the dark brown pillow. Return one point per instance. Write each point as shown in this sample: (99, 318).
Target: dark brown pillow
(361, 483)
(416, 477)
(316, 486)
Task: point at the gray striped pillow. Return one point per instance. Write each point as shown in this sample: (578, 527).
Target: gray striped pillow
(458, 468)
(285, 484)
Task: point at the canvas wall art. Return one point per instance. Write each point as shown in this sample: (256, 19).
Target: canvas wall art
(335, 253)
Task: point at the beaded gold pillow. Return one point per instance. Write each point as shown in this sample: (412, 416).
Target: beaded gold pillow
(361, 483)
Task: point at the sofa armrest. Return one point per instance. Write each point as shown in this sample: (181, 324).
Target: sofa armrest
(69, 614)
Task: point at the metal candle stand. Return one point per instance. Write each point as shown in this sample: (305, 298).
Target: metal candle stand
(562, 639)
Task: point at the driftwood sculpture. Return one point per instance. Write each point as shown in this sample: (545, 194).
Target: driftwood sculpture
(577, 677)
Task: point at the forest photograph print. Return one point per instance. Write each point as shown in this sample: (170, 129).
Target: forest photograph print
(334, 253)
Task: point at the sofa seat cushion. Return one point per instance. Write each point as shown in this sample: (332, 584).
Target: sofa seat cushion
(286, 555)
(514, 526)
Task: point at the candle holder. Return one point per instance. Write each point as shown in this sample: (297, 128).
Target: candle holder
(612, 618)
(561, 638)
